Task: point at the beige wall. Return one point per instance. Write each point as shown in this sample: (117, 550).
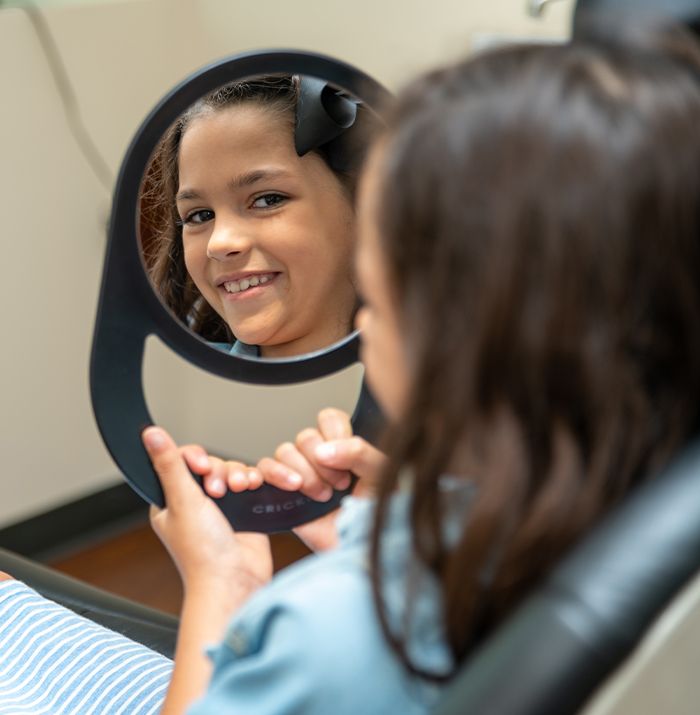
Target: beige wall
(121, 57)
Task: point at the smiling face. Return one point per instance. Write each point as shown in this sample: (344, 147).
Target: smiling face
(267, 235)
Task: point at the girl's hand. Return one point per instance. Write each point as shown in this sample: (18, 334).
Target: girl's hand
(323, 459)
(319, 461)
(198, 536)
(219, 475)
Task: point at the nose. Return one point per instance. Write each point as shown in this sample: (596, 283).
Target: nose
(229, 237)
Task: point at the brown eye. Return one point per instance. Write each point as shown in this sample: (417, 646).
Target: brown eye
(199, 217)
(268, 201)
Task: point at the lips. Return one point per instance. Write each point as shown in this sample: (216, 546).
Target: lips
(237, 284)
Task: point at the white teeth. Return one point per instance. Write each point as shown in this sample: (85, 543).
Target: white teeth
(245, 283)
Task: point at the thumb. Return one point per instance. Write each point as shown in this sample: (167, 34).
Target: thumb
(354, 454)
(178, 484)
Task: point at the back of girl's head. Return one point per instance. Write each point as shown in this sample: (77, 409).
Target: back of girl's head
(540, 220)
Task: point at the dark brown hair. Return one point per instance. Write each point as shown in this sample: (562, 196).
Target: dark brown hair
(540, 221)
(160, 227)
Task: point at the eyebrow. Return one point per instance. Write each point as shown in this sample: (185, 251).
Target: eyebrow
(240, 181)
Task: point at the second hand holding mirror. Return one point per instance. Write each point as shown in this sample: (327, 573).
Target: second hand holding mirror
(214, 323)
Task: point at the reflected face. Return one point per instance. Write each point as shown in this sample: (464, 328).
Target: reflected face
(384, 351)
(268, 236)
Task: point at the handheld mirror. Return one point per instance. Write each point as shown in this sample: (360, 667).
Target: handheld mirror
(231, 242)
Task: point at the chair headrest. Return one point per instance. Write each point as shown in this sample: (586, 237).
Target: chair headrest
(595, 606)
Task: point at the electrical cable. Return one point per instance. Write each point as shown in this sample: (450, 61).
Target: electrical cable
(67, 94)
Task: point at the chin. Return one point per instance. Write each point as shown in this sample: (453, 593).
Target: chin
(254, 337)
(255, 329)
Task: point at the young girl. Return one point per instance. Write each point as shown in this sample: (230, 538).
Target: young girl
(528, 261)
(244, 238)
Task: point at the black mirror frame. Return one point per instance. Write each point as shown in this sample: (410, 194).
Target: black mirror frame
(129, 309)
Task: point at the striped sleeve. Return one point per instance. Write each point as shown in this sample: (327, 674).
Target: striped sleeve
(54, 661)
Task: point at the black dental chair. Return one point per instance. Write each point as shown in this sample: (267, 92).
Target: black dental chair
(640, 565)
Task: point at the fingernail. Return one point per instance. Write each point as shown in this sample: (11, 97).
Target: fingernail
(217, 486)
(294, 479)
(239, 477)
(344, 483)
(202, 460)
(325, 494)
(153, 438)
(325, 451)
(255, 480)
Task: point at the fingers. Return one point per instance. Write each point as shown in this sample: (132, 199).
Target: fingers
(218, 475)
(196, 458)
(354, 454)
(225, 475)
(171, 463)
(243, 478)
(334, 424)
(215, 482)
(294, 467)
(178, 485)
(279, 474)
(306, 442)
(312, 484)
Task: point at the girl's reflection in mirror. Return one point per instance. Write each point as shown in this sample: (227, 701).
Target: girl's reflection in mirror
(251, 244)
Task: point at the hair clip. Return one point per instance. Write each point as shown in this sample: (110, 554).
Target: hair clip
(322, 115)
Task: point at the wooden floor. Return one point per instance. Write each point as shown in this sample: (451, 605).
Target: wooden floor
(134, 564)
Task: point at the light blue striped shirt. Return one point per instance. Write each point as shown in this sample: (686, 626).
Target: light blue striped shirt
(54, 661)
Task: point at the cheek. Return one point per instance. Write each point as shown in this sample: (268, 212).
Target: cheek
(324, 242)
(194, 264)
(383, 357)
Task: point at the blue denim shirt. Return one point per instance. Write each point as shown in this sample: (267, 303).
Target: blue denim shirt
(238, 348)
(310, 642)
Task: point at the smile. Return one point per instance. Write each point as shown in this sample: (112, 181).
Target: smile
(247, 283)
